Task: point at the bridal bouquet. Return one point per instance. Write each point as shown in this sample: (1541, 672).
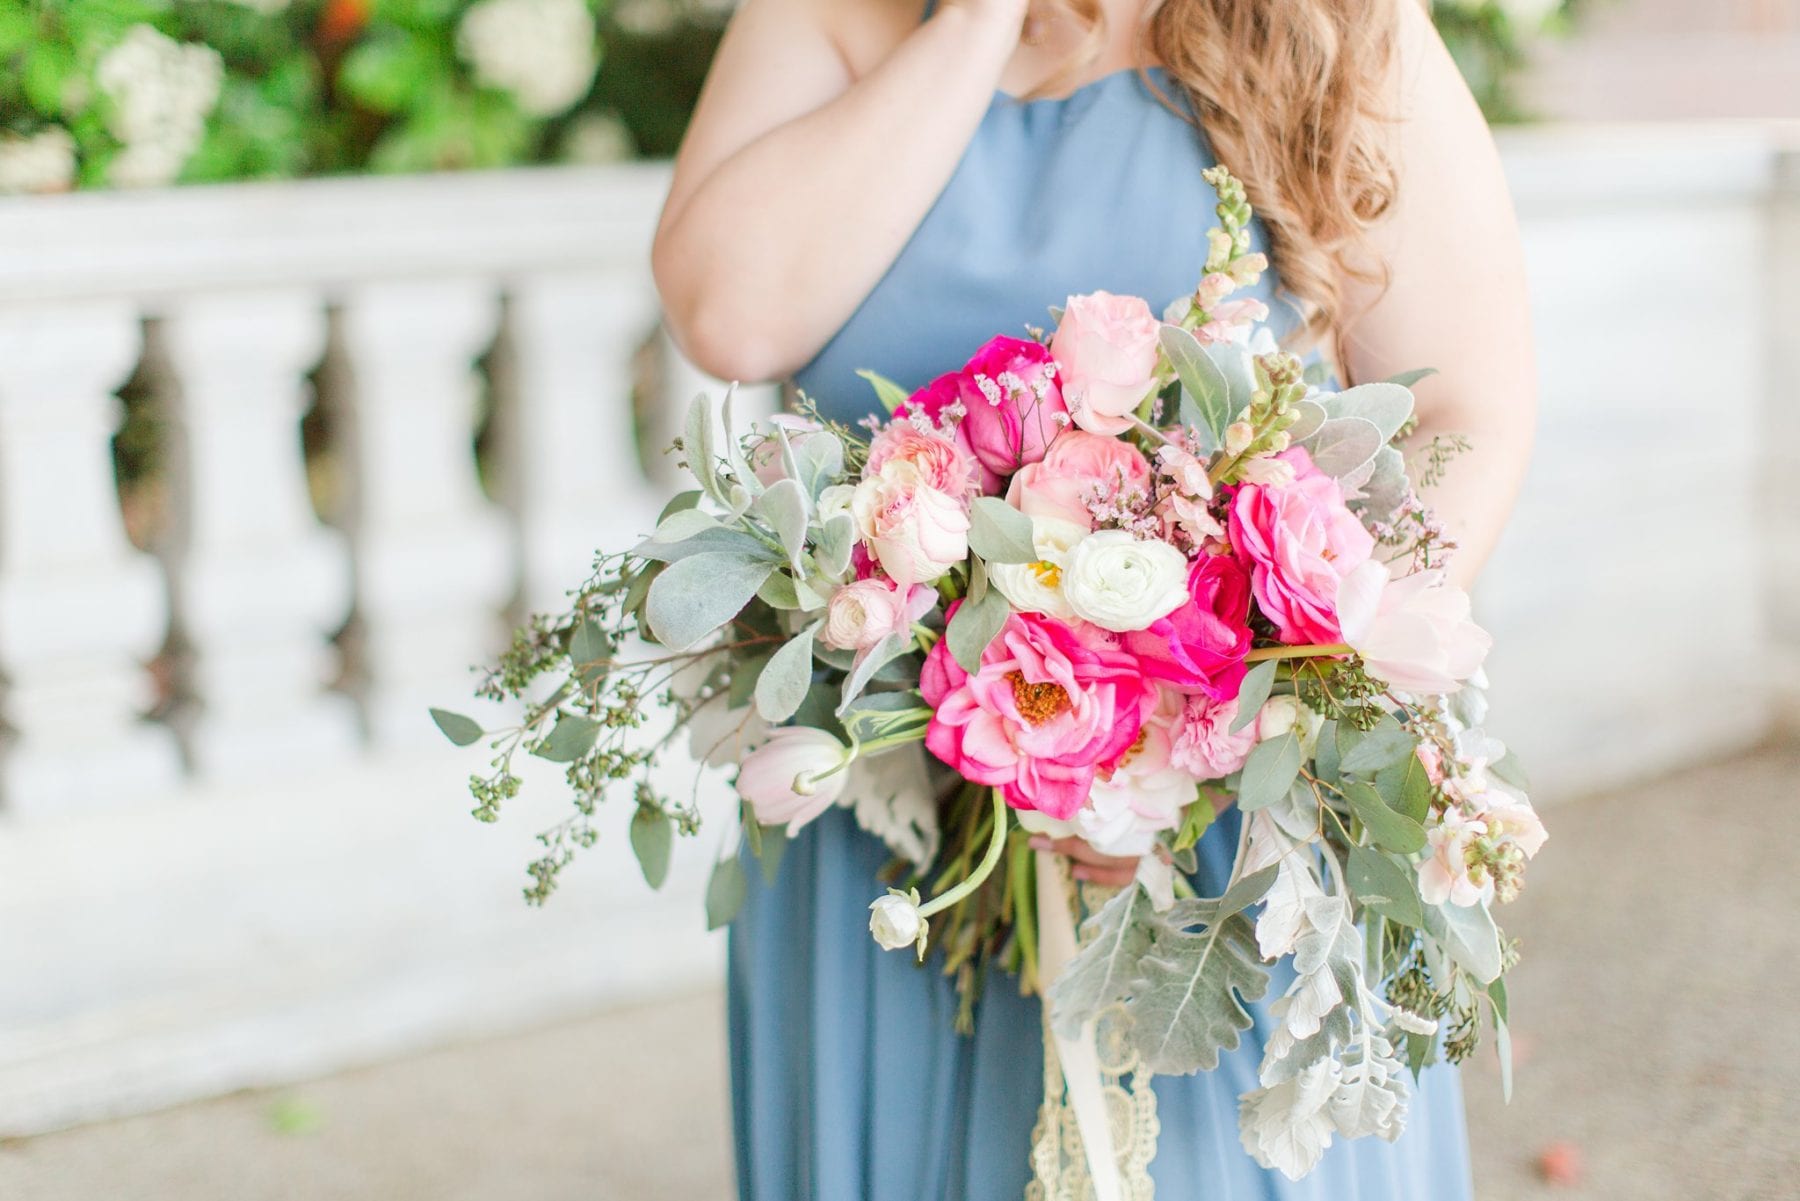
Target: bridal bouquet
(1113, 577)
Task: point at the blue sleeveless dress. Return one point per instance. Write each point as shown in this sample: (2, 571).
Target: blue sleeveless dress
(848, 1081)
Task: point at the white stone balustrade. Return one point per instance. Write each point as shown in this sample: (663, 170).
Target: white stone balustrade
(302, 888)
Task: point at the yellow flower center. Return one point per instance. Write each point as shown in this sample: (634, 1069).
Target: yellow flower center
(1037, 703)
(1048, 573)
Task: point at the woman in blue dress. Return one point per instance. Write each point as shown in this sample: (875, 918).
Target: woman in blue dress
(872, 184)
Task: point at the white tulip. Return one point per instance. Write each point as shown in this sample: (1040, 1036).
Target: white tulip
(1121, 583)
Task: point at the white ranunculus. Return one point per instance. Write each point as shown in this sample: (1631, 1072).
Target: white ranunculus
(794, 776)
(43, 162)
(1037, 587)
(1413, 632)
(895, 922)
(1122, 583)
(1280, 714)
(541, 51)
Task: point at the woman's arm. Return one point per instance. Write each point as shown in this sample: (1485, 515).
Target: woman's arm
(798, 184)
(1456, 298)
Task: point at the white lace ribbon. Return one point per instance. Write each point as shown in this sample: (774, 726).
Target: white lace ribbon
(1079, 1056)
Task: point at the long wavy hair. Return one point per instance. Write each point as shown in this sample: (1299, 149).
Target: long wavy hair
(1293, 95)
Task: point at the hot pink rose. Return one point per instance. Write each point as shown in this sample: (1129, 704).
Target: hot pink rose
(1051, 707)
(1301, 542)
(1012, 406)
(1200, 647)
(1106, 348)
(1077, 465)
(1204, 745)
(942, 464)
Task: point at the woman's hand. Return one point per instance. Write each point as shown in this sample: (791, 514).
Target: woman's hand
(1091, 866)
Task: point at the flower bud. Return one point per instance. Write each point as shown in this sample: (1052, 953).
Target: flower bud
(1238, 436)
(895, 922)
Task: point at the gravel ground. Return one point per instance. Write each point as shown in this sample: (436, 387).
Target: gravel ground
(1657, 1056)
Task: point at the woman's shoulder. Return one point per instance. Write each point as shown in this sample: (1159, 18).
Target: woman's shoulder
(863, 32)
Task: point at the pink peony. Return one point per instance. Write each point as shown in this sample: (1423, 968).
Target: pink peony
(1301, 541)
(1012, 406)
(1106, 347)
(914, 531)
(942, 464)
(1051, 707)
(1078, 466)
(1414, 631)
(1204, 745)
(1200, 647)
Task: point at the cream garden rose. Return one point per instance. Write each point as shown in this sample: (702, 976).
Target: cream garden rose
(1121, 583)
(915, 532)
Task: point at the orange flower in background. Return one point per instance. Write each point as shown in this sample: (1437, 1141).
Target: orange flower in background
(342, 20)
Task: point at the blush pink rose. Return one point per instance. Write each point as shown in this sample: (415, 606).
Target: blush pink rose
(1012, 406)
(914, 531)
(862, 613)
(1106, 347)
(941, 463)
(1051, 707)
(1301, 541)
(1078, 465)
(1200, 647)
(1203, 744)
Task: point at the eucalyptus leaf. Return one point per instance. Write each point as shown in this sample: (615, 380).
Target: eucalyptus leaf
(1372, 750)
(725, 892)
(1205, 391)
(1383, 885)
(1325, 753)
(1385, 406)
(1389, 830)
(1406, 787)
(773, 846)
(745, 673)
(572, 737)
(1252, 693)
(1000, 533)
(1343, 445)
(1269, 772)
(890, 394)
(783, 683)
(973, 626)
(786, 508)
(1468, 935)
(458, 729)
(698, 594)
(589, 647)
(652, 839)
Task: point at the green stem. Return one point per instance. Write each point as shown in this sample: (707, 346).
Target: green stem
(1323, 650)
(984, 869)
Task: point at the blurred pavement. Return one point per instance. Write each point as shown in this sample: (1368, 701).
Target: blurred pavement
(1655, 1031)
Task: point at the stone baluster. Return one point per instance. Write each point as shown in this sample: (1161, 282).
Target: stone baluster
(80, 611)
(568, 445)
(258, 584)
(433, 560)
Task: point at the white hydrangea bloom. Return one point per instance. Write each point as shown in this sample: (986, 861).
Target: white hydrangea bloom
(161, 92)
(43, 162)
(541, 51)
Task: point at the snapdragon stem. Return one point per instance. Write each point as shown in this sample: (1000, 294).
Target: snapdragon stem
(984, 869)
(1323, 650)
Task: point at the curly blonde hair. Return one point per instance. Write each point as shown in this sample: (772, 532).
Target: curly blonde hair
(1292, 95)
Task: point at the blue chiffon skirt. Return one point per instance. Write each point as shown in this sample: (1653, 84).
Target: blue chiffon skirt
(849, 1082)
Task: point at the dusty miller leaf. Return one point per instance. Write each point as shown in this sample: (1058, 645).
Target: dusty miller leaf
(1187, 1003)
(1101, 973)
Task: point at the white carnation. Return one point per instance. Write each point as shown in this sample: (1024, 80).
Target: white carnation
(43, 162)
(1121, 583)
(161, 92)
(541, 51)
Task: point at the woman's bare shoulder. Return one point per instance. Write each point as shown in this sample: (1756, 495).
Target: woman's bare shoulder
(863, 32)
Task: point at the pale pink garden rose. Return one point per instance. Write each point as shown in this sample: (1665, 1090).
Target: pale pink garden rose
(1051, 707)
(1300, 541)
(914, 531)
(1106, 347)
(861, 613)
(1204, 745)
(942, 464)
(1144, 794)
(794, 776)
(1077, 466)
(1414, 631)
(1445, 875)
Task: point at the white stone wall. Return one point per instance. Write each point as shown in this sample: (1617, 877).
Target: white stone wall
(282, 879)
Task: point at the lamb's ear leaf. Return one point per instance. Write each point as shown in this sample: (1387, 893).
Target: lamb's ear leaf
(1000, 533)
(786, 677)
(696, 595)
(974, 625)
(1205, 392)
